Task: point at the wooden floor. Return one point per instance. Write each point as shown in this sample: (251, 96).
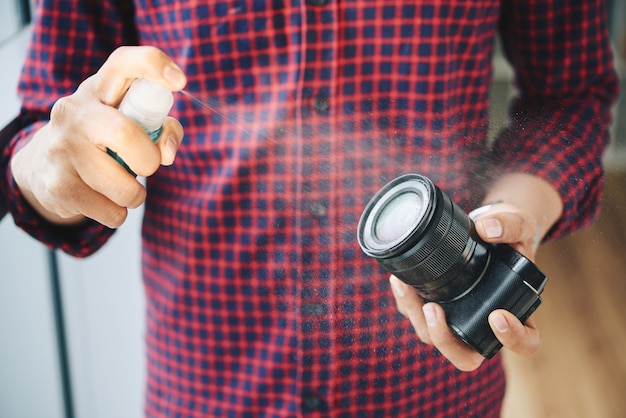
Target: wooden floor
(581, 368)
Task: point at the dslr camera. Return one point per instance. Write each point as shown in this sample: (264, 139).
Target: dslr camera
(417, 233)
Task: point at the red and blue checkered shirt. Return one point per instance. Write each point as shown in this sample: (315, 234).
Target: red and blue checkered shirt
(259, 301)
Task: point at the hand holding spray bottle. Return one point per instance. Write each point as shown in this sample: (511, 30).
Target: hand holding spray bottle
(148, 104)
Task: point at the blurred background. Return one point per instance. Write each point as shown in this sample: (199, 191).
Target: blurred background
(71, 331)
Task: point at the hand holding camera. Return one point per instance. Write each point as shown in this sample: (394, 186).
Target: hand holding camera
(483, 292)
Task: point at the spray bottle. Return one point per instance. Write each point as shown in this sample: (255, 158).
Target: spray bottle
(148, 104)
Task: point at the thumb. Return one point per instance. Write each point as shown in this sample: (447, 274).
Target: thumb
(504, 223)
(169, 140)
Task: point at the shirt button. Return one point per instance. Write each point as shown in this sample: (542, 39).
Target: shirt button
(321, 105)
(311, 402)
(318, 2)
(317, 210)
(314, 309)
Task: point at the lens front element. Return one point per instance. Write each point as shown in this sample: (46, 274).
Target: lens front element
(394, 216)
(398, 216)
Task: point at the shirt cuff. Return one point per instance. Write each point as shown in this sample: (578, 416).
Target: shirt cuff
(77, 240)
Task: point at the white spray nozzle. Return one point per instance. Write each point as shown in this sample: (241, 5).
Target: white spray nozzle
(147, 103)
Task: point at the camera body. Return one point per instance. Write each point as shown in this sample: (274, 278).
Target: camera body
(416, 232)
(510, 282)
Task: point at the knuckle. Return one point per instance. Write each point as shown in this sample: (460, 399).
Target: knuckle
(114, 217)
(48, 202)
(121, 132)
(59, 197)
(525, 347)
(122, 128)
(515, 223)
(151, 52)
(119, 53)
(131, 195)
(517, 346)
(58, 190)
(65, 125)
(149, 163)
(62, 109)
(59, 152)
(519, 223)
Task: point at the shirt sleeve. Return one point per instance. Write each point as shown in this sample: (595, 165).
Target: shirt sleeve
(70, 41)
(566, 82)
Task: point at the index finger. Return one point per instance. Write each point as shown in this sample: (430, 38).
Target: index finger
(524, 339)
(127, 64)
(456, 351)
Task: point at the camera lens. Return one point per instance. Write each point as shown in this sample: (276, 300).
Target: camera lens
(417, 233)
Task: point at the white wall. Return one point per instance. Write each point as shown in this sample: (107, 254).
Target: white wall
(29, 367)
(102, 301)
(104, 307)
(9, 25)
(12, 51)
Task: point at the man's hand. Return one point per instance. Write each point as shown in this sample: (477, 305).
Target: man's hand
(531, 209)
(65, 172)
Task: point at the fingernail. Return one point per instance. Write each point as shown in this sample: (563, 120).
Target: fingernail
(174, 75)
(499, 321)
(479, 211)
(172, 147)
(397, 286)
(493, 228)
(430, 314)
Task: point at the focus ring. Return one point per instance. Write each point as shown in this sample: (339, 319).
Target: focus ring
(440, 251)
(450, 250)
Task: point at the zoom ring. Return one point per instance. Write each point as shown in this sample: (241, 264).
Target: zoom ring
(441, 250)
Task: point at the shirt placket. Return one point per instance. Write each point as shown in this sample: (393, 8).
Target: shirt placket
(317, 306)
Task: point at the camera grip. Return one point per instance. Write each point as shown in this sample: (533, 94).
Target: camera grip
(501, 287)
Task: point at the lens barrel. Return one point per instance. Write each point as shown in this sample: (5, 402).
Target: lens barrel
(437, 255)
(416, 232)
